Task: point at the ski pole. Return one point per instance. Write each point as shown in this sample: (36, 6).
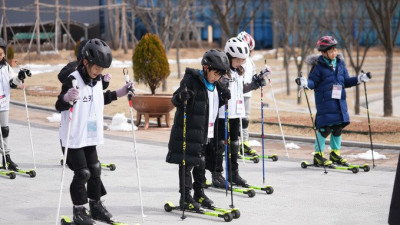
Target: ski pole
(262, 133)
(226, 150)
(29, 123)
(277, 113)
(184, 156)
(130, 96)
(369, 122)
(312, 121)
(71, 109)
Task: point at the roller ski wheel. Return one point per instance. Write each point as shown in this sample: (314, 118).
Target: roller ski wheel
(31, 173)
(227, 216)
(305, 164)
(110, 166)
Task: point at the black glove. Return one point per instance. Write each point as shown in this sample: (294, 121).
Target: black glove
(226, 94)
(186, 95)
(257, 81)
(23, 73)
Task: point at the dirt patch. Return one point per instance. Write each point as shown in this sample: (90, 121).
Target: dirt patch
(42, 91)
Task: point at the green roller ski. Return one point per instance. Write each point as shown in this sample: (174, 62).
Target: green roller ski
(247, 191)
(364, 167)
(305, 164)
(65, 220)
(268, 188)
(110, 166)
(235, 212)
(9, 174)
(254, 159)
(227, 216)
(31, 172)
(274, 157)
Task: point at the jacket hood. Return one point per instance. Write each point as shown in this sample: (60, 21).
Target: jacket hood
(312, 60)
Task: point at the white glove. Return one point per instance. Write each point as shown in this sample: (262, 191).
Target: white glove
(302, 82)
(107, 77)
(71, 95)
(363, 78)
(266, 71)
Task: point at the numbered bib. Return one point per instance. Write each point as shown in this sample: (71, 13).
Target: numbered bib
(336, 91)
(3, 101)
(210, 130)
(92, 129)
(239, 107)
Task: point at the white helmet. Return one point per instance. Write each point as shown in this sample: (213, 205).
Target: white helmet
(244, 36)
(237, 48)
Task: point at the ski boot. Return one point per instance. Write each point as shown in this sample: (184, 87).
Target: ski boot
(202, 198)
(247, 149)
(335, 157)
(189, 203)
(10, 164)
(99, 212)
(320, 160)
(82, 216)
(236, 179)
(218, 180)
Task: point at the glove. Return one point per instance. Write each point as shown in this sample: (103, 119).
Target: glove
(186, 95)
(124, 90)
(364, 77)
(302, 82)
(107, 77)
(23, 73)
(257, 81)
(226, 94)
(266, 71)
(71, 95)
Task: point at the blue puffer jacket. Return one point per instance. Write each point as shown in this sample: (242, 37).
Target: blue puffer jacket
(322, 78)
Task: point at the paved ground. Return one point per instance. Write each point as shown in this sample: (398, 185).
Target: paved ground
(302, 196)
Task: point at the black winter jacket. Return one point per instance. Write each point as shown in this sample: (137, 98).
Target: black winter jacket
(196, 120)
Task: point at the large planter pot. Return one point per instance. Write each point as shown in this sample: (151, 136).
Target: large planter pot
(152, 106)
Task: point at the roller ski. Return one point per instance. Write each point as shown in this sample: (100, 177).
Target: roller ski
(274, 157)
(110, 166)
(65, 220)
(254, 158)
(207, 203)
(14, 167)
(268, 188)
(192, 208)
(321, 161)
(218, 181)
(9, 174)
(337, 159)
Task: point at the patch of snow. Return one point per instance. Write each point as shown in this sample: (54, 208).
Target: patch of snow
(54, 118)
(254, 143)
(367, 155)
(292, 146)
(120, 122)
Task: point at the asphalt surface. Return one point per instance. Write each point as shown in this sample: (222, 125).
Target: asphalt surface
(301, 196)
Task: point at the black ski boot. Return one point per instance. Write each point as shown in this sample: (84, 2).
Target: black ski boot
(189, 203)
(218, 180)
(82, 216)
(99, 212)
(10, 164)
(202, 198)
(237, 179)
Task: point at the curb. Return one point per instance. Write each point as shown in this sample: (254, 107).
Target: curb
(254, 135)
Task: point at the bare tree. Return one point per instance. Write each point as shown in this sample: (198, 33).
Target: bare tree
(352, 28)
(381, 13)
(302, 35)
(284, 29)
(231, 13)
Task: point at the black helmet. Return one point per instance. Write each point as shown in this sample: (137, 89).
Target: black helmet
(97, 52)
(79, 52)
(3, 45)
(216, 60)
(326, 42)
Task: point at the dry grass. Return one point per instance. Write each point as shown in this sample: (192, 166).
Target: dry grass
(385, 130)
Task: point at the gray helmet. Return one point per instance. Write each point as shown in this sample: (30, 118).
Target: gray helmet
(97, 52)
(216, 60)
(3, 45)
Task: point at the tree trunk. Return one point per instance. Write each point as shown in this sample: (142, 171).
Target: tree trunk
(387, 86)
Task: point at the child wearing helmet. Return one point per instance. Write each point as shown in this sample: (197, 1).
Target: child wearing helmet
(249, 70)
(329, 78)
(237, 52)
(203, 95)
(8, 80)
(86, 130)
